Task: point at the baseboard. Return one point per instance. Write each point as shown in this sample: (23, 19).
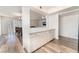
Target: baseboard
(67, 37)
(72, 40)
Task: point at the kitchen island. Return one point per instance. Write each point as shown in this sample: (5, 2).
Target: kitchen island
(40, 36)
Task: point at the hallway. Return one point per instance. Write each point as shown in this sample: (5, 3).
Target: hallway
(5, 48)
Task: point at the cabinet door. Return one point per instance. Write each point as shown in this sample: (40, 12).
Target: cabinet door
(35, 41)
(39, 39)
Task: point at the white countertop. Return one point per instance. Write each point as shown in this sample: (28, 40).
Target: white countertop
(39, 29)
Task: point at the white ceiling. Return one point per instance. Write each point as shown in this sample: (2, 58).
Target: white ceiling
(10, 11)
(16, 10)
(44, 8)
(48, 9)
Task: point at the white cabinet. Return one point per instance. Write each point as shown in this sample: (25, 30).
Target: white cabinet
(40, 38)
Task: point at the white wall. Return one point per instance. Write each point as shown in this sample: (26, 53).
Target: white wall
(35, 15)
(69, 26)
(5, 21)
(0, 25)
(52, 23)
(26, 27)
(34, 22)
(18, 23)
(5, 24)
(35, 18)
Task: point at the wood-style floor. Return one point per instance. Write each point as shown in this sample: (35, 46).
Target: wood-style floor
(17, 48)
(63, 45)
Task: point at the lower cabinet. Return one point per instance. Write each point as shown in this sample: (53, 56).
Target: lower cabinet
(40, 38)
